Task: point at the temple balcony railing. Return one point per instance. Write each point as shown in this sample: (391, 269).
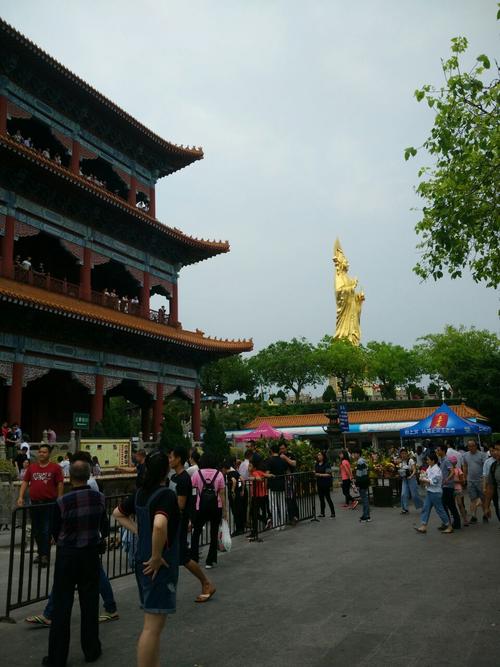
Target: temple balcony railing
(144, 206)
(47, 282)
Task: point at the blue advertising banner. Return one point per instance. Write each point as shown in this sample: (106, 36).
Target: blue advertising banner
(343, 417)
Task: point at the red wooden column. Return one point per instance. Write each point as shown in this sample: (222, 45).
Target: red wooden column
(14, 401)
(173, 317)
(75, 157)
(8, 248)
(3, 114)
(86, 276)
(145, 290)
(97, 402)
(152, 201)
(196, 415)
(132, 193)
(158, 409)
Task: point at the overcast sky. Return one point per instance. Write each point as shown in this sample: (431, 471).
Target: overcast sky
(303, 110)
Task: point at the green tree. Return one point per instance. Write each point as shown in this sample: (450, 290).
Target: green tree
(228, 376)
(172, 434)
(358, 393)
(120, 419)
(343, 360)
(329, 394)
(175, 411)
(433, 389)
(414, 392)
(214, 439)
(392, 366)
(468, 361)
(460, 224)
(290, 365)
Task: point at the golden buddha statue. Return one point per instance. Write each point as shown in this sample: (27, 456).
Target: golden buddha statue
(349, 302)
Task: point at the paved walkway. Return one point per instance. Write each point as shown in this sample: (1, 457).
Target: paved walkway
(321, 594)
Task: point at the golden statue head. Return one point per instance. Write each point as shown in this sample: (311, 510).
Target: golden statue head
(339, 259)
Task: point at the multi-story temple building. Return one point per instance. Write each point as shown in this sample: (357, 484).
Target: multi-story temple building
(82, 252)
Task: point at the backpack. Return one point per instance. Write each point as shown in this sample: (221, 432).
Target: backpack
(208, 495)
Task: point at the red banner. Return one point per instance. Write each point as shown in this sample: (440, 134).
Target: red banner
(440, 420)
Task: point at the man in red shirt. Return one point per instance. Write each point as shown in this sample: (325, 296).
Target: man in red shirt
(46, 484)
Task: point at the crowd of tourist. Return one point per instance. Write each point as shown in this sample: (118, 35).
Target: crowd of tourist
(28, 143)
(109, 297)
(448, 475)
(180, 493)
(55, 156)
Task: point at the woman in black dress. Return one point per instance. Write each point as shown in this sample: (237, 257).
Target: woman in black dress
(323, 474)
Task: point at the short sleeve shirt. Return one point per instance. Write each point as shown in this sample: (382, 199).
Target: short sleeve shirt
(258, 487)
(209, 474)
(345, 470)
(43, 481)
(446, 469)
(165, 504)
(291, 469)
(278, 467)
(243, 470)
(474, 465)
(182, 486)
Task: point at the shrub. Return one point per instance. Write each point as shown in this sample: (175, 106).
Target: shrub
(214, 439)
(7, 467)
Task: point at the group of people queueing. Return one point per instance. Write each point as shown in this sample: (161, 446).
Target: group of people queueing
(447, 475)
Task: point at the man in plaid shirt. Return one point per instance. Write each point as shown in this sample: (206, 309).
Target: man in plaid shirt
(80, 525)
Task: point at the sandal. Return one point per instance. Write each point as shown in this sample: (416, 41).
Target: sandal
(38, 620)
(205, 597)
(108, 616)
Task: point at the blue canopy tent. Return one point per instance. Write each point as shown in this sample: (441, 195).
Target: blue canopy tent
(444, 422)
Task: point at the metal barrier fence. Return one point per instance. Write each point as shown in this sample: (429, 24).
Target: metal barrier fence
(255, 507)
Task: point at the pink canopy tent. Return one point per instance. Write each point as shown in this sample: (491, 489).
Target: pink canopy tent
(265, 430)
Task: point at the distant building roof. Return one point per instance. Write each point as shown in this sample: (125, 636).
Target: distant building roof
(363, 417)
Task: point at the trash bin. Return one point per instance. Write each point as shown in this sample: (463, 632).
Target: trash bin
(382, 496)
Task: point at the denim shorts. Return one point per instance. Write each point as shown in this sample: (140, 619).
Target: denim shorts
(158, 595)
(474, 489)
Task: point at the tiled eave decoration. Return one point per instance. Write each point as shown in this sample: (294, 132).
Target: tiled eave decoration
(210, 248)
(27, 295)
(185, 153)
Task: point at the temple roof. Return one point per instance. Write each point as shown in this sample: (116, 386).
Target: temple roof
(27, 295)
(19, 60)
(201, 248)
(363, 417)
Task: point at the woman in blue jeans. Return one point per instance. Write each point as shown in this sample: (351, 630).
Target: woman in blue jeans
(106, 592)
(408, 474)
(433, 480)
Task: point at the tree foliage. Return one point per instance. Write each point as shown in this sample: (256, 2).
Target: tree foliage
(214, 439)
(329, 394)
(342, 359)
(290, 365)
(358, 393)
(460, 224)
(468, 361)
(228, 376)
(120, 420)
(392, 366)
(172, 434)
